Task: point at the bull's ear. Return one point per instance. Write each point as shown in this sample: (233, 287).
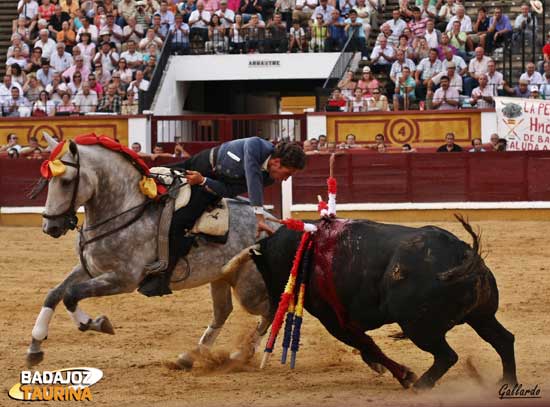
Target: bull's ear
(72, 148)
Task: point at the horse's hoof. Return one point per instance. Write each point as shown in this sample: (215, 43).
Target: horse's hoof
(377, 367)
(184, 361)
(104, 325)
(409, 379)
(34, 358)
(238, 355)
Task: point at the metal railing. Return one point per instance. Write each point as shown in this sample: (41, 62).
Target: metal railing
(146, 97)
(343, 60)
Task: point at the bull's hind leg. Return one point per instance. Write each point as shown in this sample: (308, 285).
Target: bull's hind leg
(501, 340)
(40, 331)
(444, 356)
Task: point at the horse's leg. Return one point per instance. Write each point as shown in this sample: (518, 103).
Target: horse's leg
(103, 285)
(40, 329)
(222, 303)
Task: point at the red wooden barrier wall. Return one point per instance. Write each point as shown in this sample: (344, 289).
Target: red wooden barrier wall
(429, 177)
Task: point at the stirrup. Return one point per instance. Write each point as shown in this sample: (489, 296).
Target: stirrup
(157, 267)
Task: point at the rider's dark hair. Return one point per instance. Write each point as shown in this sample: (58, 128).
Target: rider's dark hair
(291, 154)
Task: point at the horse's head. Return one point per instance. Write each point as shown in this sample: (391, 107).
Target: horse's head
(68, 188)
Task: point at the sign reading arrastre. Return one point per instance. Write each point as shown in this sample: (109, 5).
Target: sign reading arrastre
(525, 123)
(263, 63)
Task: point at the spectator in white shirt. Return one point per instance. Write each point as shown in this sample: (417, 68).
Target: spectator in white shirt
(382, 57)
(166, 16)
(425, 71)
(114, 30)
(323, 9)
(446, 97)
(431, 34)
(133, 57)
(397, 25)
(495, 79)
(107, 56)
(482, 96)
(61, 60)
(531, 76)
(17, 58)
(5, 88)
(465, 21)
(198, 21)
(139, 84)
(303, 10)
(478, 67)
(226, 15)
(87, 27)
(46, 43)
(461, 67)
(86, 100)
(545, 85)
(455, 80)
(524, 24)
(400, 62)
(27, 9)
(150, 38)
(446, 12)
(133, 31)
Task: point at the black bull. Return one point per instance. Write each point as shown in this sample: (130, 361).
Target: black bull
(366, 274)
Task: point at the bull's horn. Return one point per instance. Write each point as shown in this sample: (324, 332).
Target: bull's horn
(239, 260)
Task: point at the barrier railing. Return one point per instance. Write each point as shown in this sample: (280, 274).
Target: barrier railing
(146, 98)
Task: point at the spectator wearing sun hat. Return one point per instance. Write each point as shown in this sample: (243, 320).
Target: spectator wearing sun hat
(534, 89)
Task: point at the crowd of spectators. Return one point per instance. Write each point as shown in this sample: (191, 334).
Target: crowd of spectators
(435, 56)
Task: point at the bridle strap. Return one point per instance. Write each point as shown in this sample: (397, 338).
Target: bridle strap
(71, 211)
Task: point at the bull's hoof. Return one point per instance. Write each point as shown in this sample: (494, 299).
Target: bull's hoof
(185, 361)
(424, 384)
(409, 379)
(34, 358)
(104, 325)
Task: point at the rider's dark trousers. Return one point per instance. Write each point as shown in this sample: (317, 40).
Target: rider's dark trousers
(186, 217)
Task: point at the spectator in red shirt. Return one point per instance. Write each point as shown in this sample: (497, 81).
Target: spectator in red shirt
(337, 102)
(545, 54)
(46, 10)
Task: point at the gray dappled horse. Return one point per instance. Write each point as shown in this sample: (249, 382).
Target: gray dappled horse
(106, 184)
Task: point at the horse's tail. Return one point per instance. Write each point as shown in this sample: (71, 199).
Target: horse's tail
(471, 266)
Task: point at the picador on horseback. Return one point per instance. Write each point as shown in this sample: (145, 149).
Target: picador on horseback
(225, 171)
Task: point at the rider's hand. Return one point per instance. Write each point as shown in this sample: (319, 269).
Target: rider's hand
(194, 177)
(262, 226)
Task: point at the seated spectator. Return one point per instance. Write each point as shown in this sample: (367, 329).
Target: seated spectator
(502, 145)
(478, 67)
(460, 65)
(130, 105)
(368, 82)
(432, 34)
(297, 38)
(347, 84)
(322, 142)
(133, 58)
(86, 99)
(17, 42)
(534, 92)
(61, 60)
(21, 30)
(46, 43)
(421, 51)
(521, 90)
(463, 18)
(446, 97)
(444, 46)
(418, 23)
(404, 90)
(350, 143)
(236, 36)
(113, 30)
(35, 61)
(180, 35)
(136, 148)
(425, 72)
(158, 152)
(5, 88)
(12, 146)
(446, 12)
(161, 30)
(110, 102)
(69, 6)
(226, 15)
(495, 78)
(102, 77)
(132, 32)
(119, 85)
(493, 141)
(151, 52)
(357, 103)
(107, 58)
(477, 146)
(56, 88)
(199, 20)
(32, 88)
(523, 26)
(66, 36)
(75, 83)
(428, 9)
(66, 106)
(56, 21)
(354, 27)
(531, 75)
(90, 29)
(365, 11)
(95, 85)
(545, 84)
(127, 10)
(404, 46)
(480, 29)
(124, 72)
(179, 149)
(336, 34)
(399, 64)
(385, 32)
(500, 30)
(17, 74)
(255, 33)
(139, 83)
(277, 39)
(407, 148)
(378, 102)
(337, 102)
(43, 106)
(325, 10)
(14, 105)
(166, 16)
(303, 10)
(482, 96)
(458, 39)
(382, 57)
(396, 25)
(449, 146)
(35, 154)
(455, 80)
(77, 67)
(17, 58)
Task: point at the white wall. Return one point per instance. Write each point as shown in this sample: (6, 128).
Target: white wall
(139, 132)
(316, 125)
(488, 125)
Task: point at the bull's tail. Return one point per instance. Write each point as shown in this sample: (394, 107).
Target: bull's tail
(238, 261)
(471, 266)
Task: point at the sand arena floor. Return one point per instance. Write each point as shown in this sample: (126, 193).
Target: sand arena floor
(150, 333)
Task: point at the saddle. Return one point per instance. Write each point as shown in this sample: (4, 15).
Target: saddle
(212, 226)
